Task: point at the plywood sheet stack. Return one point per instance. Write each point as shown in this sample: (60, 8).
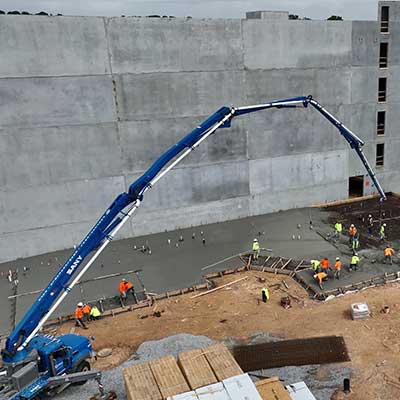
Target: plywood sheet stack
(272, 389)
(196, 369)
(222, 361)
(140, 383)
(168, 376)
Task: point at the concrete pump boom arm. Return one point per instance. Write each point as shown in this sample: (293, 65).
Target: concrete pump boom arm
(123, 207)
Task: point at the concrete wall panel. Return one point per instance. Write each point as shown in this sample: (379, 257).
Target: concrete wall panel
(144, 141)
(167, 95)
(45, 156)
(40, 46)
(56, 101)
(296, 44)
(51, 205)
(173, 45)
(365, 43)
(189, 186)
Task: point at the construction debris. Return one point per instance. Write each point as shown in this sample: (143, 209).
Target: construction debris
(218, 288)
(360, 311)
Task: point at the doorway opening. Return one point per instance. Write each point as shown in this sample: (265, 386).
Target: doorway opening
(356, 186)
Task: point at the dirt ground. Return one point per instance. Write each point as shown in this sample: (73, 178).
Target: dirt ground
(236, 312)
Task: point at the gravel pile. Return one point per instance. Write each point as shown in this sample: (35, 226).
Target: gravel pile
(147, 351)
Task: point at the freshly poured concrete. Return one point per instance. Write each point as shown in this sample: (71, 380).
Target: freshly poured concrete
(170, 267)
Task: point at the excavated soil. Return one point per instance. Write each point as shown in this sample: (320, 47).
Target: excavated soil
(236, 312)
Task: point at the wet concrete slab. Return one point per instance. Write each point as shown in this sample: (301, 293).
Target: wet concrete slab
(170, 267)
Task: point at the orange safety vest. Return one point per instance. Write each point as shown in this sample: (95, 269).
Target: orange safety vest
(338, 265)
(321, 276)
(388, 251)
(86, 309)
(124, 286)
(325, 264)
(352, 231)
(78, 312)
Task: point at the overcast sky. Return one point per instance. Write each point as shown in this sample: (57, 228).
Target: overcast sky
(316, 9)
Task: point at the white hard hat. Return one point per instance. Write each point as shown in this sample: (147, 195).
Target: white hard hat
(369, 215)
(123, 280)
(80, 304)
(356, 254)
(337, 258)
(255, 240)
(384, 224)
(352, 225)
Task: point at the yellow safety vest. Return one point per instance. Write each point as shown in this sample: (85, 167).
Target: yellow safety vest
(256, 246)
(266, 292)
(355, 260)
(338, 227)
(95, 312)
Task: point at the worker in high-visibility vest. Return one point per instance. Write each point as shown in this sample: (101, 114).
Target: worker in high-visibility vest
(125, 287)
(265, 295)
(388, 253)
(352, 232)
(320, 277)
(86, 312)
(95, 313)
(354, 262)
(315, 264)
(382, 232)
(256, 249)
(338, 267)
(79, 316)
(338, 229)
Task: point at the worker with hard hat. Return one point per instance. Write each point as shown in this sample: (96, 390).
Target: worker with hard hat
(338, 229)
(256, 249)
(79, 316)
(382, 235)
(354, 262)
(264, 294)
(338, 267)
(352, 232)
(86, 312)
(370, 224)
(124, 287)
(320, 277)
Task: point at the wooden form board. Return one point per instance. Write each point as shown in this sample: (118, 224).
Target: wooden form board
(272, 389)
(168, 376)
(222, 361)
(196, 369)
(140, 383)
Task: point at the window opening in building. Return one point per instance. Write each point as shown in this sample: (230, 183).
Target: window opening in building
(356, 186)
(382, 90)
(380, 154)
(380, 123)
(383, 55)
(385, 19)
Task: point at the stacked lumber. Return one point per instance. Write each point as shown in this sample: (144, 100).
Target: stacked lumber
(168, 376)
(196, 369)
(222, 361)
(140, 383)
(272, 389)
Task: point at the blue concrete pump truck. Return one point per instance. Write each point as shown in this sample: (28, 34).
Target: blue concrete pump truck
(34, 364)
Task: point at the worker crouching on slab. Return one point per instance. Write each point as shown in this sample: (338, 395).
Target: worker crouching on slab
(79, 316)
(126, 287)
(95, 313)
(320, 277)
(388, 252)
(354, 262)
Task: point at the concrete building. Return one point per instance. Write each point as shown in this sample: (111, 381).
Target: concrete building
(88, 103)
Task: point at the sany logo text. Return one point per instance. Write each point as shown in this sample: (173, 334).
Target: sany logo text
(75, 265)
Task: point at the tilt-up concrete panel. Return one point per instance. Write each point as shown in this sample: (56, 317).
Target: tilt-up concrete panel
(160, 95)
(296, 44)
(44, 206)
(141, 45)
(52, 46)
(52, 155)
(293, 131)
(56, 101)
(365, 43)
(328, 86)
(147, 221)
(196, 185)
(143, 142)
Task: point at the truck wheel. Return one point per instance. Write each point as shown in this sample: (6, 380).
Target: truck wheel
(83, 366)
